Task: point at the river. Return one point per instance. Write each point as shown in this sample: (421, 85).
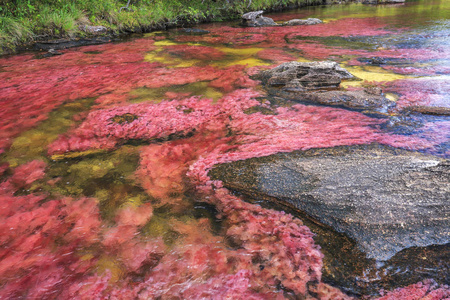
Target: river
(105, 152)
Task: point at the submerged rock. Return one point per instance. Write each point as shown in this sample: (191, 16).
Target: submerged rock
(429, 110)
(385, 199)
(194, 31)
(309, 21)
(69, 43)
(256, 19)
(361, 100)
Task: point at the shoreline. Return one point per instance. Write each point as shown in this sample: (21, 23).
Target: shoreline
(81, 38)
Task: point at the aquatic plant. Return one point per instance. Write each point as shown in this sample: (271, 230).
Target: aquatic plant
(145, 247)
(427, 289)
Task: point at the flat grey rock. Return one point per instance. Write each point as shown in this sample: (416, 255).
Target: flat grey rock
(360, 100)
(385, 199)
(296, 22)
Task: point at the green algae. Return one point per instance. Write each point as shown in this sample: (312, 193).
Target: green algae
(32, 144)
(156, 95)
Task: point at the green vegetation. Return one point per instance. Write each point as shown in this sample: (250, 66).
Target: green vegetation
(25, 21)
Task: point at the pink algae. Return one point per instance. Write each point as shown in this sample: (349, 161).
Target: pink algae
(31, 91)
(195, 52)
(426, 290)
(56, 247)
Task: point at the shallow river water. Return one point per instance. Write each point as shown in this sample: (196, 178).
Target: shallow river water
(105, 152)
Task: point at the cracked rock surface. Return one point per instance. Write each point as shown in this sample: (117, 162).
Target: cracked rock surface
(385, 199)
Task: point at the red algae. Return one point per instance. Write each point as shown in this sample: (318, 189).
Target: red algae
(423, 92)
(427, 290)
(33, 91)
(195, 52)
(61, 247)
(276, 55)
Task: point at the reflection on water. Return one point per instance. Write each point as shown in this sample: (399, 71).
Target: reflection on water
(105, 152)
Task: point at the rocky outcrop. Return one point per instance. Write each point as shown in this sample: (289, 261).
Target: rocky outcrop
(256, 19)
(307, 75)
(385, 199)
(69, 43)
(309, 21)
(317, 82)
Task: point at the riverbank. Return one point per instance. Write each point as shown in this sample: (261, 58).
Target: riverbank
(22, 23)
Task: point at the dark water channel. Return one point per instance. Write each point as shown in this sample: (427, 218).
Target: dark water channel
(105, 152)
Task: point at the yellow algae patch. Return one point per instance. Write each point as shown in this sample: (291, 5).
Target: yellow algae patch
(135, 201)
(157, 95)
(240, 56)
(302, 59)
(165, 43)
(154, 33)
(392, 97)
(374, 73)
(370, 74)
(170, 60)
(157, 226)
(158, 55)
(240, 51)
(76, 154)
(32, 144)
(110, 264)
(251, 62)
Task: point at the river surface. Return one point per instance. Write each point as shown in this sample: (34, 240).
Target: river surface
(105, 152)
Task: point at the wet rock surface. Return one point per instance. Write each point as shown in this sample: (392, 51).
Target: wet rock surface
(361, 100)
(308, 75)
(385, 199)
(194, 31)
(429, 110)
(309, 21)
(69, 43)
(256, 19)
(313, 82)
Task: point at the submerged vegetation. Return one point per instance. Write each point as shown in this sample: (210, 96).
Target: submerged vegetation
(25, 21)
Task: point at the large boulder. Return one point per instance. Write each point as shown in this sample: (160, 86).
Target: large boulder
(317, 82)
(385, 199)
(256, 19)
(309, 75)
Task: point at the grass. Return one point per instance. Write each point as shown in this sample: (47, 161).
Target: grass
(25, 21)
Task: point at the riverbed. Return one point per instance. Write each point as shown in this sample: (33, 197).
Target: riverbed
(105, 154)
